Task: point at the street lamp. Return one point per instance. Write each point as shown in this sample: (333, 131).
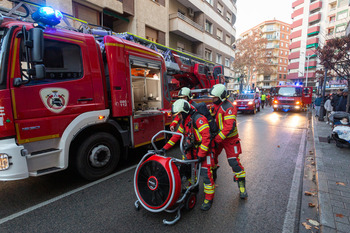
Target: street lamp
(307, 68)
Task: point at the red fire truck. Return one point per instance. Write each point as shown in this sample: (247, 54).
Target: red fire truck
(291, 97)
(77, 98)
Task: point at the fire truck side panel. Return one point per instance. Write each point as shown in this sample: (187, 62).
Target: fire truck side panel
(60, 97)
(146, 127)
(6, 118)
(118, 79)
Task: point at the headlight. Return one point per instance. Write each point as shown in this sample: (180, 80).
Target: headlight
(275, 101)
(234, 103)
(298, 102)
(250, 102)
(4, 162)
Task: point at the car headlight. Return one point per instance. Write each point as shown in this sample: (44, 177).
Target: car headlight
(4, 162)
(234, 103)
(275, 102)
(298, 102)
(250, 102)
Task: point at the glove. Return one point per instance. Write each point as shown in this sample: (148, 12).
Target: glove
(161, 151)
(201, 159)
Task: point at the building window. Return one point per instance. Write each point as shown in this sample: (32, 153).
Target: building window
(342, 3)
(280, 76)
(280, 68)
(227, 62)
(284, 76)
(286, 45)
(287, 37)
(219, 34)
(208, 54)
(229, 17)
(342, 14)
(228, 40)
(210, 2)
(340, 28)
(332, 19)
(85, 13)
(286, 52)
(284, 68)
(180, 46)
(330, 31)
(282, 44)
(209, 27)
(281, 60)
(281, 52)
(220, 9)
(285, 60)
(151, 34)
(269, 28)
(219, 58)
(287, 30)
(282, 36)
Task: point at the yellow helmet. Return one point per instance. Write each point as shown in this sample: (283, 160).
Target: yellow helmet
(219, 90)
(179, 106)
(185, 91)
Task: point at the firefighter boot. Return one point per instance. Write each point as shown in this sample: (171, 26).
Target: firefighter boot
(242, 190)
(206, 204)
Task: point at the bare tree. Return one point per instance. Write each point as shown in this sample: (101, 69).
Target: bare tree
(335, 56)
(252, 57)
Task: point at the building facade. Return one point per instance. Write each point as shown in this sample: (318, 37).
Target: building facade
(202, 28)
(314, 22)
(277, 34)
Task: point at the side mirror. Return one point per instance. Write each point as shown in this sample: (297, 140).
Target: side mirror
(36, 35)
(40, 71)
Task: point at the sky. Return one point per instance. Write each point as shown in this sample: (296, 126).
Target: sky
(253, 12)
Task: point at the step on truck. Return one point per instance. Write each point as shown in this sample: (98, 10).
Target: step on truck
(72, 97)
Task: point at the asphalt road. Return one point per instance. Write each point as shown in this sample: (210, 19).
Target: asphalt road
(273, 148)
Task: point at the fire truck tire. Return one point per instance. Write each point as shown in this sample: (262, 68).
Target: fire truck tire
(97, 156)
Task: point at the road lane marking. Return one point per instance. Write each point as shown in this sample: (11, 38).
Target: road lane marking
(30, 209)
(289, 218)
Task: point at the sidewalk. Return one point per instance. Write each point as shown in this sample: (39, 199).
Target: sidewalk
(333, 176)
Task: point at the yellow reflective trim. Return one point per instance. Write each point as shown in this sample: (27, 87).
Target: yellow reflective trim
(12, 76)
(203, 127)
(221, 126)
(230, 117)
(114, 44)
(171, 142)
(240, 174)
(63, 38)
(142, 51)
(235, 132)
(204, 147)
(181, 129)
(175, 121)
(222, 135)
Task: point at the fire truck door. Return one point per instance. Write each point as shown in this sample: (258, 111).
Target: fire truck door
(44, 108)
(307, 95)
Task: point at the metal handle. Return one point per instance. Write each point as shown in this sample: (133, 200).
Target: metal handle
(169, 132)
(85, 99)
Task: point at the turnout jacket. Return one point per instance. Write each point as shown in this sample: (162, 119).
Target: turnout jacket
(225, 117)
(199, 131)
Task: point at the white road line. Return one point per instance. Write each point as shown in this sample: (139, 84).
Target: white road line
(18, 214)
(289, 218)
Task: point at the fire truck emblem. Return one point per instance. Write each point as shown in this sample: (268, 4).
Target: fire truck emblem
(55, 99)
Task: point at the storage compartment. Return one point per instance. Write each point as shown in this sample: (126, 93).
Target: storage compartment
(146, 89)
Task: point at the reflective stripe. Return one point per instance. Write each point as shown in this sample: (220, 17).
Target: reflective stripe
(221, 126)
(209, 189)
(236, 150)
(229, 117)
(209, 162)
(175, 121)
(171, 142)
(204, 147)
(181, 130)
(235, 132)
(222, 136)
(240, 174)
(203, 127)
(198, 135)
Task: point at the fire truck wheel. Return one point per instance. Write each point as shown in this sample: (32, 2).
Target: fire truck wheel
(97, 156)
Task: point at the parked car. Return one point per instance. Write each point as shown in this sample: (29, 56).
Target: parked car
(248, 102)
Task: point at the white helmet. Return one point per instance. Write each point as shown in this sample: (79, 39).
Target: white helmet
(185, 91)
(219, 90)
(179, 106)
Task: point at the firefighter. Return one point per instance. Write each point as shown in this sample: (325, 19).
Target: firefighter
(225, 114)
(195, 129)
(184, 93)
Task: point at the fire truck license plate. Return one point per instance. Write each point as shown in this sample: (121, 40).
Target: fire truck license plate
(4, 162)
(285, 106)
(241, 107)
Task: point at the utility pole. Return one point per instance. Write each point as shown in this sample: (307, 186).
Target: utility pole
(322, 110)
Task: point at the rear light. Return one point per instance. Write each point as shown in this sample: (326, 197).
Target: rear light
(4, 162)
(275, 102)
(250, 103)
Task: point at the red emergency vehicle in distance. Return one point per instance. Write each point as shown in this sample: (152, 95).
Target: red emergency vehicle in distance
(291, 97)
(248, 101)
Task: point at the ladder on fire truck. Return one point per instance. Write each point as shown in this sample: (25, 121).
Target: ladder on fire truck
(176, 61)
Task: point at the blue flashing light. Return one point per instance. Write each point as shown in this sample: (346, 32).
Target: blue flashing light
(47, 16)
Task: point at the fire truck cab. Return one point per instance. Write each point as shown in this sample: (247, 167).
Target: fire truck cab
(291, 97)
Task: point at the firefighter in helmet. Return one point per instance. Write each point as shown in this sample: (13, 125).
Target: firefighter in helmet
(184, 93)
(225, 114)
(195, 129)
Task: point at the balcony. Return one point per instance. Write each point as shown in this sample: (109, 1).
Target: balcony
(295, 45)
(315, 17)
(297, 3)
(312, 41)
(294, 65)
(297, 23)
(313, 31)
(315, 6)
(185, 27)
(297, 12)
(295, 34)
(294, 55)
(293, 76)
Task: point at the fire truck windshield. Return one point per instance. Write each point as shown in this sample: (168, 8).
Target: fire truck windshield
(3, 44)
(289, 91)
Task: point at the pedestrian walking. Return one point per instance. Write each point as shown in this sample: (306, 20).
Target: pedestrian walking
(263, 98)
(336, 99)
(329, 108)
(343, 101)
(317, 104)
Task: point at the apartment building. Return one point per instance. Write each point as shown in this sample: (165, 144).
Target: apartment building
(202, 28)
(277, 34)
(314, 22)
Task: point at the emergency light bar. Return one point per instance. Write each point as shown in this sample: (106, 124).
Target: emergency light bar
(47, 16)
